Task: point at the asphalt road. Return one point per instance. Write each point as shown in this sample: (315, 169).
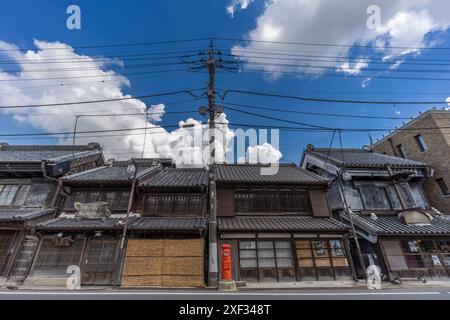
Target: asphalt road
(292, 294)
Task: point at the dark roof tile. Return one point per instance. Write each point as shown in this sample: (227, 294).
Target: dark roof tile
(180, 177)
(390, 224)
(360, 157)
(251, 173)
(25, 214)
(306, 223)
(35, 153)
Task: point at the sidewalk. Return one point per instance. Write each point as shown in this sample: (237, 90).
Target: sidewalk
(288, 286)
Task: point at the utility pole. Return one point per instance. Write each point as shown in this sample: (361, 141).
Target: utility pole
(210, 62)
(212, 227)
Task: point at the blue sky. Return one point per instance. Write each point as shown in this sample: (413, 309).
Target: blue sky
(116, 22)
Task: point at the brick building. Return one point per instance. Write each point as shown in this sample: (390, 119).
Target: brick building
(414, 141)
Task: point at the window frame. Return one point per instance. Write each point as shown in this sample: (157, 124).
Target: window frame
(14, 198)
(336, 255)
(172, 207)
(279, 202)
(401, 149)
(420, 141)
(118, 203)
(443, 186)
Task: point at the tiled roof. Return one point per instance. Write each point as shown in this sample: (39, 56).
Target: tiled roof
(307, 223)
(360, 157)
(390, 224)
(21, 153)
(161, 224)
(64, 223)
(134, 223)
(251, 173)
(115, 172)
(11, 215)
(171, 177)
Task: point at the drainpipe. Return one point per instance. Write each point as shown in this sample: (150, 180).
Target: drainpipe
(125, 228)
(130, 204)
(349, 213)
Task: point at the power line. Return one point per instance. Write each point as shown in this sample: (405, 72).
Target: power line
(329, 44)
(134, 44)
(331, 129)
(94, 76)
(342, 75)
(227, 91)
(190, 92)
(341, 59)
(111, 114)
(105, 58)
(277, 119)
(341, 69)
(313, 113)
(282, 54)
(82, 132)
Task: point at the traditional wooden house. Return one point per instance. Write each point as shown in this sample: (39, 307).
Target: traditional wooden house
(279, 225)
(396, 228)
(120, 226)
(166, 245)
(27, 185)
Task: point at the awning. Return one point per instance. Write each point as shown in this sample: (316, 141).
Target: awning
(307, 223)
(25, 214)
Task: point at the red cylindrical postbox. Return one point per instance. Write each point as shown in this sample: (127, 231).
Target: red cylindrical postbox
(226, 263)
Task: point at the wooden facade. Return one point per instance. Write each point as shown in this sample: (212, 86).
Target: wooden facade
(273, 229)
(396, 228)
(164, 244)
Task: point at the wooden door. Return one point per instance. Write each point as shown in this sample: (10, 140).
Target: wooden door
(99, 262)
(24, 259)
(6, 239)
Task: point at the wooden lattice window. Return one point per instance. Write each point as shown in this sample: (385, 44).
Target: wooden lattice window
(58, 258)
(5, 242)
(99, 262)
(249, 202)
(174, 205)
(117, 200)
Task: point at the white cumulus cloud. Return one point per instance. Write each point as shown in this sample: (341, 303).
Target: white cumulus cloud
(235, 5)
(404, 23)
(187, 144)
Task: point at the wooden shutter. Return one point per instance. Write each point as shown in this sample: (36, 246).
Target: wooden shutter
(225, 202)
(319, 203)
(99, 262)
(24, 259)
(6, 239)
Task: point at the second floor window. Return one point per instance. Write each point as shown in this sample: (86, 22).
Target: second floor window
(443, 186)
(401, 151)
(254, 202)
(117, 200)
(13, 194)
(421, 143)
(174, 205)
